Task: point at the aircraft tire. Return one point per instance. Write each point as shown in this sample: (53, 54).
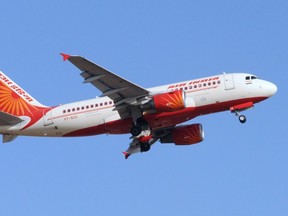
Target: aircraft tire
(242, 119)
(145, 147)
(141, 121)
(136, 130)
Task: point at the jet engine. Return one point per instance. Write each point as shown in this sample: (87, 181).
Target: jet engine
(185, 135)
(169, 102)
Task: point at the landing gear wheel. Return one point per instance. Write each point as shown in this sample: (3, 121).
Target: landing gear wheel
(242, 119)
(139, 126)
(136, 130)
(145, 147)
(141, 121)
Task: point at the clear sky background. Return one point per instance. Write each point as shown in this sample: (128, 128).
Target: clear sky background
(240, 169)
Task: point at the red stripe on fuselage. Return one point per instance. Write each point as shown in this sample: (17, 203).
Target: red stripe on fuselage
(161, 120)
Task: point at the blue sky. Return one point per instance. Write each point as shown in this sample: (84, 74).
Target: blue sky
(238, 169)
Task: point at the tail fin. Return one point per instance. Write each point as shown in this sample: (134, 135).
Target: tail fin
(17, 102)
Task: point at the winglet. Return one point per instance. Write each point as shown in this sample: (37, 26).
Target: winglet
(65, 56)
(126, 154)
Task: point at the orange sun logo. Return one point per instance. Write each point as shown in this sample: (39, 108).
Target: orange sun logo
(15, 101)
(12, 103)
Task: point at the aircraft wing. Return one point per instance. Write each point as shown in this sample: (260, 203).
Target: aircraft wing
(110, 84)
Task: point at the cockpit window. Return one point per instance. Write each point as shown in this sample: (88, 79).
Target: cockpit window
(250, 77)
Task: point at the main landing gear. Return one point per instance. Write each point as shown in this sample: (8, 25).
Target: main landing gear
(139, 126)
(144, 147)
(141, 131)
(242, 118)
(136, 130)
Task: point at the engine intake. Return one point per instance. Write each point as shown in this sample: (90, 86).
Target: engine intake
(185, 135)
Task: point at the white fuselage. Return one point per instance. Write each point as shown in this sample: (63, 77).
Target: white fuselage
(96, 116)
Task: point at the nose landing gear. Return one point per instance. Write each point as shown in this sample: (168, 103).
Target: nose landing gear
(242, 118)
(241, 107)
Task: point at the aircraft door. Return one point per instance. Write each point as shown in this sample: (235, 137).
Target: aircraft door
(229, 81)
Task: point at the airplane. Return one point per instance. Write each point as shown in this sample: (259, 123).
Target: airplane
(149, 115)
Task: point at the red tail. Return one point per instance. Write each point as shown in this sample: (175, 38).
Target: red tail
(17, 102)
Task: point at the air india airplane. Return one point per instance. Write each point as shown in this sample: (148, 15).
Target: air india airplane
(148, 115)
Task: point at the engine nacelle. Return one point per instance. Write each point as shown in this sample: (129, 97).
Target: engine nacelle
(169, 102)
(185, 135)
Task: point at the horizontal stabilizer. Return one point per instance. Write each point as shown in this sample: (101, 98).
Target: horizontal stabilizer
(8, 119)
(8, 137)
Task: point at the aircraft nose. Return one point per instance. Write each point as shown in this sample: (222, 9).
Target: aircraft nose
(272, 89)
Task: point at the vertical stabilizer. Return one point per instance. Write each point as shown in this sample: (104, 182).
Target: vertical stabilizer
(17, 102)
